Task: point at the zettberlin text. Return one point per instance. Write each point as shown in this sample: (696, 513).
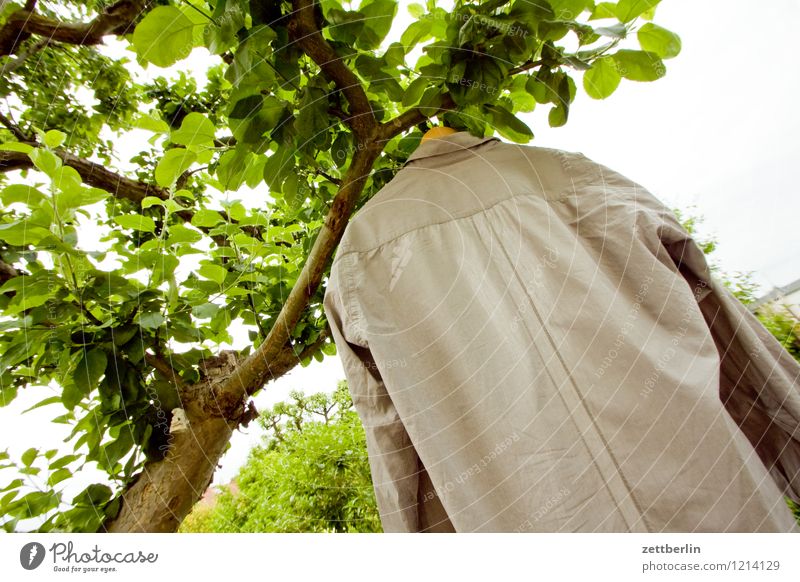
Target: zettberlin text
(665, 549)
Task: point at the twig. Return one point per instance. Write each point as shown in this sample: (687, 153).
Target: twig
(12, 66)
(14, 128)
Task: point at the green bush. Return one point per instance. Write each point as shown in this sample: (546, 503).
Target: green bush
(309, 476)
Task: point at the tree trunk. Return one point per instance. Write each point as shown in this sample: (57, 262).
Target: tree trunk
(165, 491)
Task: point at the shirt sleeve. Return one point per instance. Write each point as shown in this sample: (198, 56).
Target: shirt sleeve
(393, 460)
(759, 379)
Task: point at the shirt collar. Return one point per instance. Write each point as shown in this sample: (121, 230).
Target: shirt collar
(458, 141)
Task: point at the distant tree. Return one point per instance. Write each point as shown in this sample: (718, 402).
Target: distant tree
(778, 321)
(311, 475)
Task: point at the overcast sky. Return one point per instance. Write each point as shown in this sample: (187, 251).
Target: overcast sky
(719, 132)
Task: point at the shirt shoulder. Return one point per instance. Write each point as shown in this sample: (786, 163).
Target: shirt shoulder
(447, 187)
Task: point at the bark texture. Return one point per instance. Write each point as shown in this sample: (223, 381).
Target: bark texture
(165, 491)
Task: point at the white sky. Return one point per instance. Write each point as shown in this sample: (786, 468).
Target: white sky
(718, 132)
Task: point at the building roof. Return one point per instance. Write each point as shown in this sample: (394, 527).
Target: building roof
(776, 293)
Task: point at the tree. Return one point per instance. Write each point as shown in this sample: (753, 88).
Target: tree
(311, 475)
(302, 102)
(776, 320)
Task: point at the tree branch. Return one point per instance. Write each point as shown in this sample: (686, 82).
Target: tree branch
(226, 397)
(91, 173)
(304, 31)
(160, 364)
(415, 116)
(115, 19)
(14, 128)
(7, 272)
(412, 117)
(12, 66)
(526, 66)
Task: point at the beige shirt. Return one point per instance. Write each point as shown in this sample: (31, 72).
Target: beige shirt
(535, 344)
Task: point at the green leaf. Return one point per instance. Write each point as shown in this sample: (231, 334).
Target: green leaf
(86, 376)
(213, 273)
(151, 320)
(378, 16)
(21, 193)
(23, 233)
(602, 79)
(665, 43)
(278, 166)
(46, 161)
(150, 123)
(340, 149)
(395, 55)
(33, 504)
(54, 138)
(45, 402)
(604, 10)
(58, 476)
(617, 30)
(15, 484)
(29, 456)
(181, 234)
(312, 121)
(247, 106)
(174, 163)
(568, 9)
(63, 461)
(558, 115)
(164, 36)
(220, 34)
(12, 146)
(508, 125)
(415, 90)
(116, 449)
(7, 394)
(416, 32)
(205, 310)
(431, 100)
(206, 218)
(195, 130)
(416, 10)
(149, 201)
(93, 495)
(627, 10)
(136, 222)
(639, 65)
(254, 116)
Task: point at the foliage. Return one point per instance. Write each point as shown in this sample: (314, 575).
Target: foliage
(783, 326)
(311, 475)
(126, 261)
(778, 321)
